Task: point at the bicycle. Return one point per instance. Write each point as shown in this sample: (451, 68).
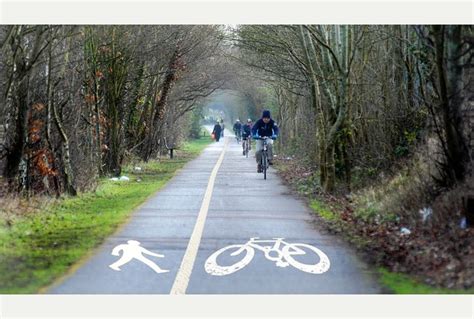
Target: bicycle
(284, 256)
(264, 159)
(246, 146)
(238, 136)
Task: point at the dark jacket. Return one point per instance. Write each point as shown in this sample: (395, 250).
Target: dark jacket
(246, 130)
(217, 129)
(262, 129)
(237, 126)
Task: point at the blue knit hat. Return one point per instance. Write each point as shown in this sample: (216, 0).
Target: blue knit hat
(266, 113)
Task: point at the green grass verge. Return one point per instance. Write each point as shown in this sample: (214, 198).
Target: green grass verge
(39, 248)
(322, 210)
(404, 284)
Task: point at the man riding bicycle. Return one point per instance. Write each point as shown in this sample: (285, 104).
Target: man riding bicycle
(264, 128)
(246, 133)
(237, 129)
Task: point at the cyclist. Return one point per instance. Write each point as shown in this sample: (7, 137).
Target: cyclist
(246, 134)
(264, 127)
(237, 129)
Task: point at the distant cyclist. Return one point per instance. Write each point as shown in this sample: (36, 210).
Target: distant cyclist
(264, 127)
(246, 135)
(238, 129)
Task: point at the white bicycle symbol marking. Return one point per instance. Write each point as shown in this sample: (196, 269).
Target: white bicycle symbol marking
(283, 258)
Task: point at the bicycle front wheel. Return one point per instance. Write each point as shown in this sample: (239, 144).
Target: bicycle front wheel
(318, 268)
(264, 165)
(213, 268)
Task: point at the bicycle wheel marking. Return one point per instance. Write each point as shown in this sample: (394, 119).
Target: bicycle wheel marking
(285, 256)
(214, 269)
(318, 268)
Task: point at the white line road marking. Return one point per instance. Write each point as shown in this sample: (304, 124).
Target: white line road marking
(184, 273)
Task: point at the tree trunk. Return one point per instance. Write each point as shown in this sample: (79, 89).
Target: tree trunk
(20, 103)
(160, 108)
(66, 157)
(330, 168)
(49, 116)
(450, 87)
(91, 59)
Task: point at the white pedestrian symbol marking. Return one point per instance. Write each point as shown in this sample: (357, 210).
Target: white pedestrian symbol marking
(283, 256)
(134, 250)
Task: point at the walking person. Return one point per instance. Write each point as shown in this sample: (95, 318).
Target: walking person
(133, 250)
(217, 131)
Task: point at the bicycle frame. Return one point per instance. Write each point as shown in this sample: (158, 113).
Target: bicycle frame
(267, 249)
(264, 161)
(238, 136)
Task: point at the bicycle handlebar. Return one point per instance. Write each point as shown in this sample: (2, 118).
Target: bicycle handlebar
(264, 137)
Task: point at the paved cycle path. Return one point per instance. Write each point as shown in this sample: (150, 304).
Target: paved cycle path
(240, 205)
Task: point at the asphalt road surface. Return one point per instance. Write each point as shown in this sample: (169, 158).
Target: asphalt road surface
(216, 201)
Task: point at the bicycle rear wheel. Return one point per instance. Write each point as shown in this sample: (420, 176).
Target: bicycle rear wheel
(212, 267)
